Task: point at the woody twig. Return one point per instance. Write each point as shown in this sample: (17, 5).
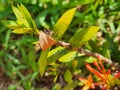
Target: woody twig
(86, 52)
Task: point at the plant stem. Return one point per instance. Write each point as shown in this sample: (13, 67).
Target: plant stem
(86, 52)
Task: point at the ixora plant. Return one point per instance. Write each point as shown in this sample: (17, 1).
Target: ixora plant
(25, 24)
(106, 79)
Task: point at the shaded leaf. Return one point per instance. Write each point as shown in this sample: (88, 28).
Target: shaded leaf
(82, 36)
(45, 40)
(10, 24)
(57, 87)
(74, 64)
(31, 59)
(42, 62)
(84, 2)
(63, 23)
(117, 82)
(24, 54)
(68, 76)
(70, 86)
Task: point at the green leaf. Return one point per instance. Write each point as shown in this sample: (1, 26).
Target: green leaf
(25, 12)
(83, 36)
(10, 24)
(89, 59)
(63, 23)
(112, 82)
(84, 2)
(117, 81)
(24, 55)
(55, 54)
(42, 62)
(68, 76)
(70, 86)
(57, 87)
(27, 16)
(23, 30)
(53, 51)
(68, 57)
(20, 16)
(31, 59)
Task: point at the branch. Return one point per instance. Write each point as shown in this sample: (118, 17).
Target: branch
(86, 52)
(81, 50)
(96, 55)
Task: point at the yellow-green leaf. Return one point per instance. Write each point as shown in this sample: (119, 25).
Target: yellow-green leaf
(42, 62)
(68, 76)
(117, 81)
(63, 23)
(70, 86)
(10, 24)
(53, 51)
(112, 82)
(56, 53)
(25, 12)
(23, 30)
(20, 16)
(27, 16)
(68, 57)
(83, 36)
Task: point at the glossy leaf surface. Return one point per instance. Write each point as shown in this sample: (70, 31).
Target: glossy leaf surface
(82, 36)
(63, 23)
(68, 57)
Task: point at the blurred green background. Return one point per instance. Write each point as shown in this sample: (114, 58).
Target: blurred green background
(17, 56)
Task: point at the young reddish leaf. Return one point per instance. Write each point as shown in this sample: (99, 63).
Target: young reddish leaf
(45, 41)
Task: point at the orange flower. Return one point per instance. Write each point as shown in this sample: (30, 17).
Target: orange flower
(88, 83)
(106, 78)
(98, 74)
(102, 73)
(105, 75)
